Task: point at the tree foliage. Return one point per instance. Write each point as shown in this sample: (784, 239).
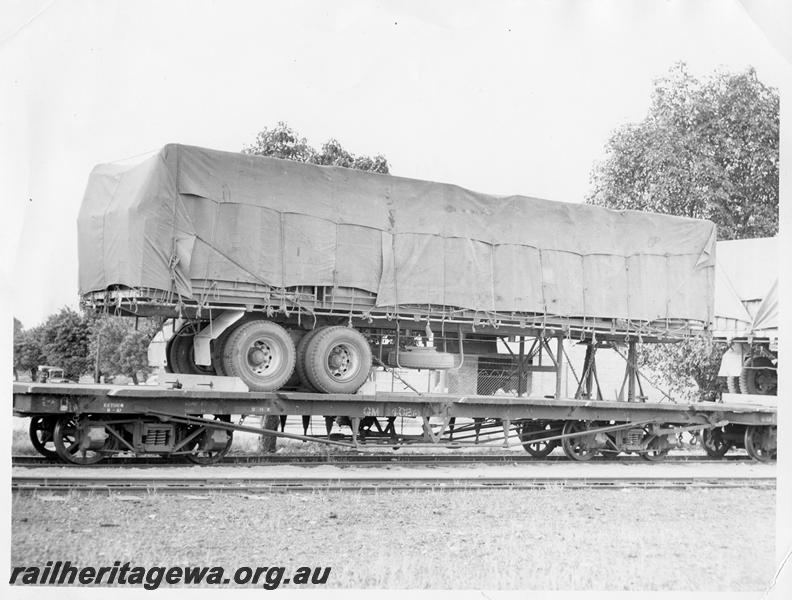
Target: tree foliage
(28, 349)
(119, 348)
(692, 360)
(707, 149)
(64, 338)
(74, 342)
(282, 141)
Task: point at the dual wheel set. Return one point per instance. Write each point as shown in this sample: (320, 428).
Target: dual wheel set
(267, 356)
(758, 376)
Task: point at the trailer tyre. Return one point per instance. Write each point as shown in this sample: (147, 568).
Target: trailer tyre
(337, 360)
(759, 377)
(302, 348)
(181, 358)
(422, 358)
(261, 353)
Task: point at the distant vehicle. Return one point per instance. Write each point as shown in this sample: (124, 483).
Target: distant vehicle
(746, 314)
(49, 374)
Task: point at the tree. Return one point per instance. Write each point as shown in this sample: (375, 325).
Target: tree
(118, 348)
(283, 142)
(64, 337)
(28, 350)
(133, 354)
(706, 149)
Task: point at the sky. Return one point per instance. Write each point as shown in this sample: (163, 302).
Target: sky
(500, 97)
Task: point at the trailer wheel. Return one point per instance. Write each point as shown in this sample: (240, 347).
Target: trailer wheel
(714, 443)
(337, 360)
(261, 353)
(66, 437)
(42, 435)
(302, 347)
(759, 377)
(761, 442)
(422, 358)
(733, 385)
(538, 430)
(580, 448)
(181, 358)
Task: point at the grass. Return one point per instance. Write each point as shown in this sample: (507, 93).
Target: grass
(555, 538)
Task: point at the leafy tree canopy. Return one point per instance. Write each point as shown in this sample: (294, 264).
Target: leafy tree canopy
(283, 142)
(119, 348)
(64, 338)
(707, 149)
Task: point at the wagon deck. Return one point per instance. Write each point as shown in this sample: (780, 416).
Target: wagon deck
(84, 423)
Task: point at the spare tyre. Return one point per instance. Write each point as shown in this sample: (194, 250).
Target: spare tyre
(422, 358)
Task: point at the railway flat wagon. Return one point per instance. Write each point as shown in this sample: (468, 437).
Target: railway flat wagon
(286, 288)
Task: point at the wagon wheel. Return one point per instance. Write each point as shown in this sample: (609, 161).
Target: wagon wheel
(208, 457)
(580, 447)
(41, 435)
(656, 449)
(761, 442)
(66, 438)
(530, 431)
(713, 442)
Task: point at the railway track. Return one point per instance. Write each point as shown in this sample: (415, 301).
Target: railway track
(367, 460)
(26, 483)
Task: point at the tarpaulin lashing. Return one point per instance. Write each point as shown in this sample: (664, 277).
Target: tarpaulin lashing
(192, 217)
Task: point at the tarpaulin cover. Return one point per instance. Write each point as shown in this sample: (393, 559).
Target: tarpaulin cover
(746, 288)
(189, 214)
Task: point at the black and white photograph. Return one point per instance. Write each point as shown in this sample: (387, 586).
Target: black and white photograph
(477, 298)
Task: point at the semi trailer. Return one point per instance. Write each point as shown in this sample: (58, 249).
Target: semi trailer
(284, 273)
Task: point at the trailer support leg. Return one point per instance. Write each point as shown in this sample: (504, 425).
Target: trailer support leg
(506, 428)
(559, 366)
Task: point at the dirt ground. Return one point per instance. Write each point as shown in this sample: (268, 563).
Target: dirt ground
(551, 539)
